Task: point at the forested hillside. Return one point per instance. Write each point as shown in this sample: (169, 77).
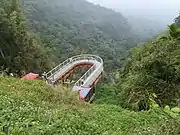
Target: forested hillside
(151, 75)
(75, 26)
(145, 29)
(32, 108)
(20, 49)
(66, 28)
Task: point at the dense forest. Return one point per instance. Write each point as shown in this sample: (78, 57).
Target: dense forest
(64, 29)
(151, 75)
(21, 50)
(73, 27)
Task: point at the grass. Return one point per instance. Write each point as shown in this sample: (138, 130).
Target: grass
(32, 108)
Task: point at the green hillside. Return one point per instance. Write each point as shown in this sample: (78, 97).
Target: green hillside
(76, 26)
(31, 107)
(21, 50)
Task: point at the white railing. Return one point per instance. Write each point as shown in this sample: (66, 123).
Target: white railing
(92, 73)
(95, 70)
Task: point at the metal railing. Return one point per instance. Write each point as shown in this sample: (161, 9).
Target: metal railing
(97, 65)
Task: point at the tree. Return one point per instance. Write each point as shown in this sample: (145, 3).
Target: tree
(20, 50)
(83, 28)
(174, 31)
(177, 20)
(151, 72)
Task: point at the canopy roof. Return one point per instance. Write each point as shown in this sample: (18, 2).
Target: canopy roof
(30, 76)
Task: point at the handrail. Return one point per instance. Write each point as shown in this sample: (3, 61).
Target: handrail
(97, 66)
(91, 70)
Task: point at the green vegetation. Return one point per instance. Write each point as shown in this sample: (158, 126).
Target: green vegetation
(31, 107)
(177, 20)
(152, 71)
(73, 27)
(174, 31)
(63, 29)
(150, 76)
(149, 80)
(20, 50)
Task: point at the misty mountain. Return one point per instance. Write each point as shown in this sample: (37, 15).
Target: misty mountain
(163, 11)
(145, 23)
(72, 27)
(81, 14)
(147, 18)
(145, 28)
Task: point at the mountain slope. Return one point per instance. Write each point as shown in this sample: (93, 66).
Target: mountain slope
(145, 28)
(31, 107)
(76, 26)
(21, 50)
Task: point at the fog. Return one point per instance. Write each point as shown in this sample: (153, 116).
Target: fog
(163, 11)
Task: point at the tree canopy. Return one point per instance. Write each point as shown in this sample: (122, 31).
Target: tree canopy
(152, 73)
(177, 20)
(75, 26)
(20, 49)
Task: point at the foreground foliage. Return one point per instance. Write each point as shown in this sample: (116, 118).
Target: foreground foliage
(152, 73)
(30, 107)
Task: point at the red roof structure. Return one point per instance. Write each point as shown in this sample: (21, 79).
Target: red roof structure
(30, 76)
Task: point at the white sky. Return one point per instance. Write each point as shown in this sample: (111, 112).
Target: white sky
(142, 4)
(157, 8)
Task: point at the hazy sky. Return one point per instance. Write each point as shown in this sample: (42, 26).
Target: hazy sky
(163, 9)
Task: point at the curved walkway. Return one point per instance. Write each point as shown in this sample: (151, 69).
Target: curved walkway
(87, 81)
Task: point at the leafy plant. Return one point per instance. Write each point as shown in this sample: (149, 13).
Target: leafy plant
(174, 31)
(31, 107)
(152, 68)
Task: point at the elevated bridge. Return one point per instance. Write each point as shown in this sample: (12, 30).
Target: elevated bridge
(85, 85)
